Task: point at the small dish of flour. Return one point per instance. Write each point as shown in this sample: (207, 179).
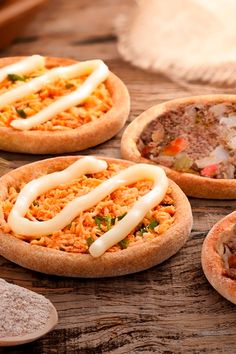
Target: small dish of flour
(24, 314)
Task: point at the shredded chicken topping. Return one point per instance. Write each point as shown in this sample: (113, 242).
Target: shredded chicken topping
(91, 224)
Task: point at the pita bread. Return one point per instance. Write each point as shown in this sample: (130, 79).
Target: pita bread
(132, 259)
(83, 137)
(212, 258)
(171, 37)
(192, 185)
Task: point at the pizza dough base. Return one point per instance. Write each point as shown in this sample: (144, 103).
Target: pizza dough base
(130, 260)
(83, 137)
(192, 185)
(212, 263)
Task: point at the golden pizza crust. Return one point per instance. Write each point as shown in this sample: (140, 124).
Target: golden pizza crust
(130, 260)
(212, 262)
(192, 185)
(83, 137)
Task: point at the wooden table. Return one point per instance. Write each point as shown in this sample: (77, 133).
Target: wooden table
(170, 308)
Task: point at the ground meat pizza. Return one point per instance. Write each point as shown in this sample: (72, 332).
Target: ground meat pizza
(194, 139)
(219, 257)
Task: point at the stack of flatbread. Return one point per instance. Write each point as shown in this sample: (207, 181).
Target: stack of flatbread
(186, 39)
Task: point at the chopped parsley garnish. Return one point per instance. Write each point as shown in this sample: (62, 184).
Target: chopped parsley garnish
(121, 216)
(113, 220)
(98, 221)
(124, 244)
(69, 225)
(21, 113)
(142, 229)
(89, 241)
(108, 220)
(15, 77)
(153, 224)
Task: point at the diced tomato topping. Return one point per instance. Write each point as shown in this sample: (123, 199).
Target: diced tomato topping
(53, 91)
(232, 261)
(209, 171)
(175, 146)
(43, 94)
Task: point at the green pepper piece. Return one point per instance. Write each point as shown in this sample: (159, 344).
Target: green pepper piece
(21, 113)
(153, 224)
(124, 244)
(89, 241)
(15, 77)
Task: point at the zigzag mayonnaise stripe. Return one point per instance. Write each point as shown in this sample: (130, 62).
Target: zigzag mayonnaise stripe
(23, 67)
(20, 225)
(98, 73)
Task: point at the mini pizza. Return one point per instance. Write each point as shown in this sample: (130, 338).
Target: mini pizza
(91, 217)
(194, 139)
(219, 257)
(57, 105)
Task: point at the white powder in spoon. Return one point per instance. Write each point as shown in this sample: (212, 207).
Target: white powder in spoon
(21, 311)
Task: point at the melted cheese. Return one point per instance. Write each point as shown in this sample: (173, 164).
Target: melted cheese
(21, 225)
(97, 71)
(23, 67)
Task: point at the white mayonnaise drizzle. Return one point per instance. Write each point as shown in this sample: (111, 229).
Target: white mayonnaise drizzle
(97, 71)
(23, 66)
(22, 226)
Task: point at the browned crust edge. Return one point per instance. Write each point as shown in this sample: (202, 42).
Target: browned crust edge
(212, 263)
(88, 135)
(192, 185)
(130, 260)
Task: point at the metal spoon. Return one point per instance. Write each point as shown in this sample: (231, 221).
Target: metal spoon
(22, 339)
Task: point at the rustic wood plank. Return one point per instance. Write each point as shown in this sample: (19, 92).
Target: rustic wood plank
(170, 308)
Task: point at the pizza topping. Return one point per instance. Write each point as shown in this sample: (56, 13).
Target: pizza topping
(57, 99)
(21, 113)
(16, 71)
(227, 250)
(196, 138)
(123, 224)
(219, 154)
(124, 244)
(73, 237)
(99, 74)
(209, 171)
(229, 121)
(232, 261)
(175, 146)
(89, 241)
(218, 109)
(15, 77)
(232, 142)
(183, 163)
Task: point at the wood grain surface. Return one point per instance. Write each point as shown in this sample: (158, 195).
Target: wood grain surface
(170, 308)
